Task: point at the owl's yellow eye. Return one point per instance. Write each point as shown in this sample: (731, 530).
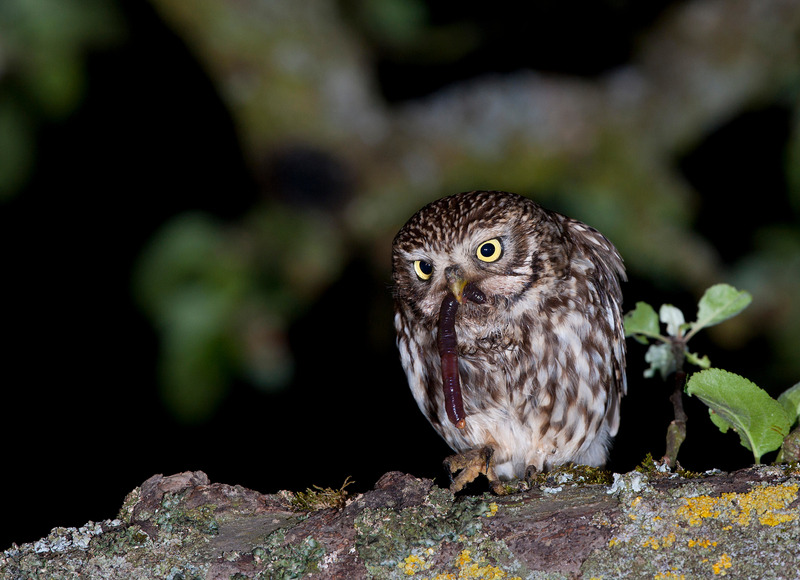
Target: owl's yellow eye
(490, 251)
(423, 269)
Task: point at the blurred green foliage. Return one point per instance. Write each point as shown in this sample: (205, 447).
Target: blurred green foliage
(222, 298)
(43, 46)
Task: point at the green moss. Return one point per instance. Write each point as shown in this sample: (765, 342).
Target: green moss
(791, 469)
(648, 465)
(319, 498)
(571, 474)
(686, 474)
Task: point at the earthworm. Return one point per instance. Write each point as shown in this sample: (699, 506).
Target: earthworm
(448, 353)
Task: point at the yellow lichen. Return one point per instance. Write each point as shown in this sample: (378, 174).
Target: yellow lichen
(486, 572)
(477, 570)
(668, 576)
(765, 503)
(722, 564)
(463, 559)
(663, 542)
(697, 508)
(413, 563)
(492, 510)
(613, 542)
(636, 501)
(703, 543)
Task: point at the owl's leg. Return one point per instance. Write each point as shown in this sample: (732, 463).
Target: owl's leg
(471, 464)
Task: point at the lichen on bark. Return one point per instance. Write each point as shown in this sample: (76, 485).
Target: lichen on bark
(654, 525)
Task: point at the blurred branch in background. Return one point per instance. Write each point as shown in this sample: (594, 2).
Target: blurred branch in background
(341, 169)
(43, 45)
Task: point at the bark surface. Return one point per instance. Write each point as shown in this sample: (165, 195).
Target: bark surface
(645, 525)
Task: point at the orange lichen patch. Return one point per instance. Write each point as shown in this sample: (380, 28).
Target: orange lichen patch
(703, 543)
(413, 563)
(463, 559)
(657, 543)
(478, 570)
(668, 576)
(722, 564)
(765, 503)
(636, 501)
(492, 510)
(697, 508)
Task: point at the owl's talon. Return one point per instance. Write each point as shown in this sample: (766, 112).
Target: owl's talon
(531, 472)
(470, 465)
(497, 487)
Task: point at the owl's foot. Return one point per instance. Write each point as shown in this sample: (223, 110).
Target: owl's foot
(472, 464)
(532, 474)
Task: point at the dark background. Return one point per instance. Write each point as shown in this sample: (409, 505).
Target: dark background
(82, 421)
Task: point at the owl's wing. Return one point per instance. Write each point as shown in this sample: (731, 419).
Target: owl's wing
(608, 272)
(603, 254)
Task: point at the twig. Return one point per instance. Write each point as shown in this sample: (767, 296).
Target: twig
(676, 432)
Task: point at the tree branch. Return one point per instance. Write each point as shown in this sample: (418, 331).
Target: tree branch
(182, 526)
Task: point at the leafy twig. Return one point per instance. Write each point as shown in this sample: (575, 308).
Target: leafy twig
(668, 353)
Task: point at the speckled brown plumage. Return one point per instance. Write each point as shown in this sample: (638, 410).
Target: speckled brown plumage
(542, 361)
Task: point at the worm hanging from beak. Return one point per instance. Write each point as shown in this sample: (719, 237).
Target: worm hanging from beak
(448, 352)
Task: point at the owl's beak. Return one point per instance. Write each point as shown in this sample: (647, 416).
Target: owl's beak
(456, 282)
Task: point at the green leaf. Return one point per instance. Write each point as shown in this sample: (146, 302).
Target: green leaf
(759, 419)
(721, 423)
(790, 401)
(719, 303)
(673, 317)
(660, 358)
(695, 359)
(642, 320)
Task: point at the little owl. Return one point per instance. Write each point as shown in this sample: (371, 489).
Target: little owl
(510, 333)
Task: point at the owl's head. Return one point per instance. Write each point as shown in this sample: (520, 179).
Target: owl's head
(501, 242)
